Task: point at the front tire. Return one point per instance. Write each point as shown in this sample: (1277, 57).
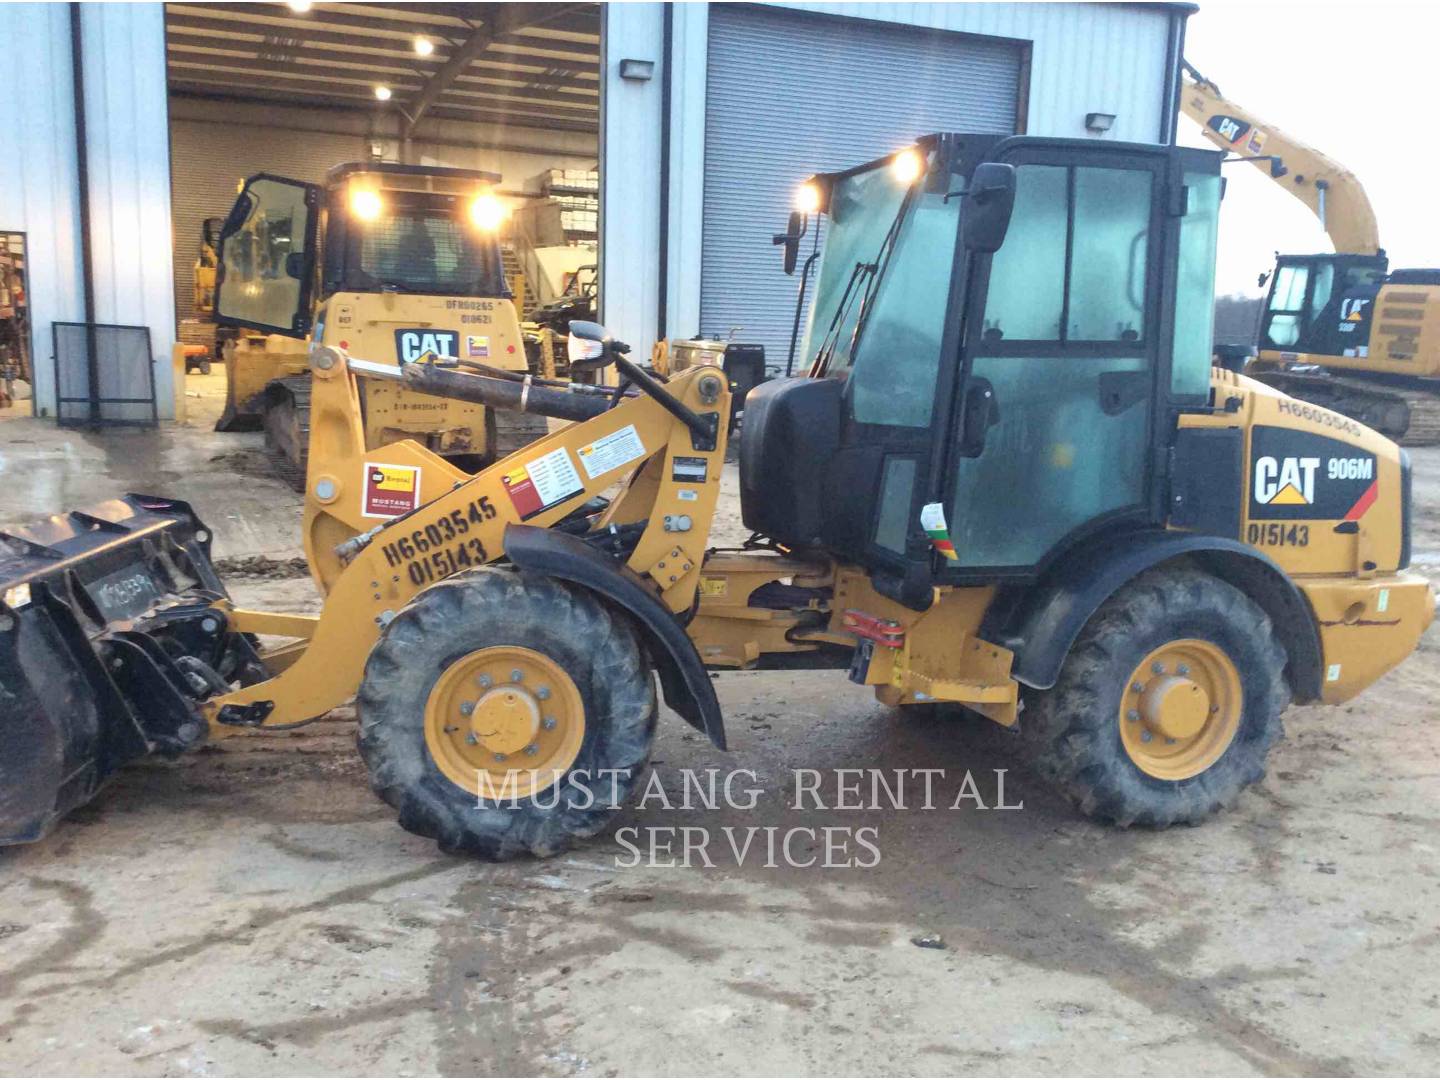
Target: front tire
(505, 714)
(1167, 705)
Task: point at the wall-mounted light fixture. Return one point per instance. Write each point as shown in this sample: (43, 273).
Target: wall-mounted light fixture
(637, 70)
(1099, 122)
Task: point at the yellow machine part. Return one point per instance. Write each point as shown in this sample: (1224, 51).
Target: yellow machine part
(1404, 337)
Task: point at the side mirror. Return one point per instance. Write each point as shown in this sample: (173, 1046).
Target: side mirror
(790, 239)
(1262, 279)
(989, 199)
(589, 346)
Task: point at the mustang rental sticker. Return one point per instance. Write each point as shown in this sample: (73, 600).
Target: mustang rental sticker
(390, 490)
(540, 484)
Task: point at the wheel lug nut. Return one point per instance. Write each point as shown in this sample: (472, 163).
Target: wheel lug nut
(1158, 668)
(466, 708)
(1183, 669)
(499, 757)
(471, 740)
(532, 749)
(1145, 736)
(543, 693)
(1133, 714)
(485, 682)
(1137, 688)
(548, 723)
(1169, 742)
(517, 675)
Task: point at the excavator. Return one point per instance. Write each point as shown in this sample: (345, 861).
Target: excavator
(401, 261)
(1010, 480)
(1343, 331)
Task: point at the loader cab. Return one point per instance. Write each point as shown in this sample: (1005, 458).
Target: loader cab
(1322, 304)
(1000, 406)
(371, 228)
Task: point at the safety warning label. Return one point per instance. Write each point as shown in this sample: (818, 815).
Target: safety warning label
(390, 490)
(614, 450)
(540, 484)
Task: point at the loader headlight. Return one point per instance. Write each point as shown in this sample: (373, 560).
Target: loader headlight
(907, 166)
(365, 203)
(807, 198)
(487, 212)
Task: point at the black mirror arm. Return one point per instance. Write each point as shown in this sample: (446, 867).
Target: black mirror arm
(703, 429)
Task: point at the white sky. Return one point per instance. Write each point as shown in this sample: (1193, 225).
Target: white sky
(1355, 81)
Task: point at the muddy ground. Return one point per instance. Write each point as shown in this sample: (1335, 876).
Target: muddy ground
(253, 909)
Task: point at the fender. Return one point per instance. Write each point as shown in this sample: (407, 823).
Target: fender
(1047, 617)
(687, 685)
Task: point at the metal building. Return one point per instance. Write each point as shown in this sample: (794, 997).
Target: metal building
(708, 116)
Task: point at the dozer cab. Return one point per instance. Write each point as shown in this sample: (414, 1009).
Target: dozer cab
(1010, 481)
(395, 262)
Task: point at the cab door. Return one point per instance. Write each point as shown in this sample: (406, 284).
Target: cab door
(1055, 428)
(267, 257)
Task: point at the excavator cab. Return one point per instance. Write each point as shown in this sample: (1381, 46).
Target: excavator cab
(1322, 304)
(943, 374)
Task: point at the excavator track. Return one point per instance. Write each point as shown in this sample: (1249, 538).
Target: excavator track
(287, 427)
(1408, 414)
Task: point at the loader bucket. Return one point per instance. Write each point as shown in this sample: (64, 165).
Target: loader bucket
(108, 642)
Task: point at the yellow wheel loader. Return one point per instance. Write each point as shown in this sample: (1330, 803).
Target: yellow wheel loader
(1010, 480)
(395, 262)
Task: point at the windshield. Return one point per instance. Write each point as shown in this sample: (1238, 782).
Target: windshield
(886, 268)
(421, 244)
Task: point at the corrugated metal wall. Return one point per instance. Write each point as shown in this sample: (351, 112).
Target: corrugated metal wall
(792, 93)
(38, 193)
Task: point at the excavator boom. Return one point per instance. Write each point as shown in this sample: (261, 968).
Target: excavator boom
(1330, 190)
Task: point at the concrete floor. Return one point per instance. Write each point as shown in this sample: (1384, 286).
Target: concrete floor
(254, 910)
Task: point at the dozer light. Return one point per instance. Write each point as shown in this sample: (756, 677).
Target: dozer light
(365, 203)
(487, 212)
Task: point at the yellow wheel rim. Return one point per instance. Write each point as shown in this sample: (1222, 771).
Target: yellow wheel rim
(504, 722)
(1181, 709)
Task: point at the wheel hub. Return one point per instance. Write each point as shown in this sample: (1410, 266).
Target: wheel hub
(504, 720)
(1181, 709)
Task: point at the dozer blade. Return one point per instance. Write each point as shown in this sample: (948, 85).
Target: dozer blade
(108, 642)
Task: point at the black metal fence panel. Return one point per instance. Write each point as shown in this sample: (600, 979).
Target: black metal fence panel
(104, 374)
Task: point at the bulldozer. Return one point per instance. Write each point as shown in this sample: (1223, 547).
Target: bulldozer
(1010, 480)
(1342, 330)
(400, 261)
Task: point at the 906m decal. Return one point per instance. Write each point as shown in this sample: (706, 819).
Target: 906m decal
(1299, 476)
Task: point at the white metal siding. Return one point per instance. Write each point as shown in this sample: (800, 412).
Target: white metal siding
(38, 192)
(792, 93)
(129, 165)
(630, 174)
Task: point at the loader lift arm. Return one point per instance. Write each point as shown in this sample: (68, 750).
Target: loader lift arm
(1331, 191)
(635, 436)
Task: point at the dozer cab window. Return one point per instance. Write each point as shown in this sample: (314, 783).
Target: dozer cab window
(1195, 289)
(1055, 412)
(410, 242)
(267, 257)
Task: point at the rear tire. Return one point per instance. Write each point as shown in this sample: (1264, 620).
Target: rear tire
(1168, 631)
(593, 659)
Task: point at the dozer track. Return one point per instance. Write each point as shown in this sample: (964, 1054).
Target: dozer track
(287, 427)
